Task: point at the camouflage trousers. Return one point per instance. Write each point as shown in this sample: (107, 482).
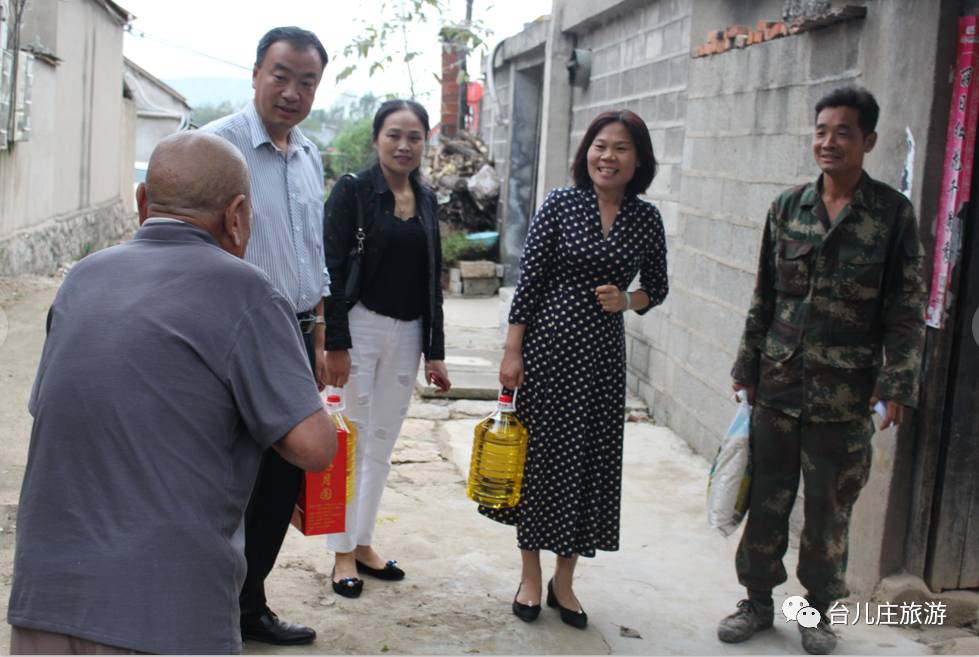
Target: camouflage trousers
(834, 460)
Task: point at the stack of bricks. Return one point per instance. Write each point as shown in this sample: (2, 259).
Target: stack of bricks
(741, 36)
(475, 278)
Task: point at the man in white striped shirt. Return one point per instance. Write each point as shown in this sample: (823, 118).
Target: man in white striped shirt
(287, 243)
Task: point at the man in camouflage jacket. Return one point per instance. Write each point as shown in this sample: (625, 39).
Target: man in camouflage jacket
(836, 324)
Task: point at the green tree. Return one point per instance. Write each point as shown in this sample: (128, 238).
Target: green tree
(351, 149)
(207, 112)
(387, 42)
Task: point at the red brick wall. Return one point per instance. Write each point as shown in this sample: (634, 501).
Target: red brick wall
(450, 90)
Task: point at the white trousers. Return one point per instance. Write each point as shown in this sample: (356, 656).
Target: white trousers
(383, 366)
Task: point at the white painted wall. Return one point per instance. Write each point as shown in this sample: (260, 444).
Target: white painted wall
(72, 161)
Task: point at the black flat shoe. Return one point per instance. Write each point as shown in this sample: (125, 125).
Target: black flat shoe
(390, 572)
(526, 613)
(348, 587)
(267, 628)
(577, 619)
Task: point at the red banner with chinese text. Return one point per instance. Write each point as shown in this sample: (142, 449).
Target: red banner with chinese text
(957, 178)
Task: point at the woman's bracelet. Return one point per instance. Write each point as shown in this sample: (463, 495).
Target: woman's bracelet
(628, 300)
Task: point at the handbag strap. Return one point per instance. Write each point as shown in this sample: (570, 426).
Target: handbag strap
(360, 235)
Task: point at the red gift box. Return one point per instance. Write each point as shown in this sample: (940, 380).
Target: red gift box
(322, 504)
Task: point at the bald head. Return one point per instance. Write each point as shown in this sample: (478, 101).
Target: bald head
(194, 174)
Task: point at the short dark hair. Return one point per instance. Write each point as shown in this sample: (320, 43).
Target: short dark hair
(637, 129)
(389, 107)
(859, 99)
(296, 37)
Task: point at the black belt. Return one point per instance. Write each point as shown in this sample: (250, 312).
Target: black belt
(307, 321)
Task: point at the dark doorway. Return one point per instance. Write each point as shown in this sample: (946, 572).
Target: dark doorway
(522, 168)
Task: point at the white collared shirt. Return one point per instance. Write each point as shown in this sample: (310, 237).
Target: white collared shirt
(287, 207)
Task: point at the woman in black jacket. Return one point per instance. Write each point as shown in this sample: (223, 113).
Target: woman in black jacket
(377, 329)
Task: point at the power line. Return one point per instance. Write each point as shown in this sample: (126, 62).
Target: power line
(144, 35)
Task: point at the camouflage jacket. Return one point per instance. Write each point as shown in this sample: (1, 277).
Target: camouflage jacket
(838, 310)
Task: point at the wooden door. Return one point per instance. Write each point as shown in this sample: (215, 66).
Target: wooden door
(953, 551)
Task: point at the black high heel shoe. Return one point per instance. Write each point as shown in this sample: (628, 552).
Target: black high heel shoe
(390, 572)
(348, 587)
(526, 613)
(577, 619)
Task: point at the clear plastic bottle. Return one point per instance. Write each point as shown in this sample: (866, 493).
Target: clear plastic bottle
(499, 450)
(334, 406)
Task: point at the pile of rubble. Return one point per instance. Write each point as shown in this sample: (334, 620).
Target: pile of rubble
(461, 171)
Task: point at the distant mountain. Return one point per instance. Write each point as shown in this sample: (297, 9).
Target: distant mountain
(213, 91)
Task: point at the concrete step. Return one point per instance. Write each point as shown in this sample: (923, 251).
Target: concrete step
(475, 374)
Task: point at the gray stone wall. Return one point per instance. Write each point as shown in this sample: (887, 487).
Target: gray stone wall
(72, 170)
(42, 249)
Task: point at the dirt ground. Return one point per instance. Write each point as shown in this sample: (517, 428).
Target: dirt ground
(662, 593)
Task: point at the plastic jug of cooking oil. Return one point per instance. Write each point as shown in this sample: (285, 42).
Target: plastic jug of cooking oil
(345, 429)
(499, 450)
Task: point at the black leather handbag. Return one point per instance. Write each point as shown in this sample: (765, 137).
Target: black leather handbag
(355, 258)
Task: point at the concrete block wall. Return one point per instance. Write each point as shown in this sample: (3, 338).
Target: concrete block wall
(748, 134)
(492, 126)
(640, 62)
(731, 131)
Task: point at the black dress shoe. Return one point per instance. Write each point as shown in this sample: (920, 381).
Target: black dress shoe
(390, 572)
(527, 613)
(577, 619)
(267, 628)
(348, 587)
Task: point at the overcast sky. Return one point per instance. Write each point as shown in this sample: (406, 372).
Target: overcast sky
(230, 29)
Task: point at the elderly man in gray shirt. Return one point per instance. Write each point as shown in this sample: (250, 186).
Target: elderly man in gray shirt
(287, 243)
(170, 365)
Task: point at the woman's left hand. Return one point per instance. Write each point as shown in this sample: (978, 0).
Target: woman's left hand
(437, 375)
(611, 298)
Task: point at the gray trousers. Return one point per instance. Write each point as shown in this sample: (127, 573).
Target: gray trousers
(24, 641)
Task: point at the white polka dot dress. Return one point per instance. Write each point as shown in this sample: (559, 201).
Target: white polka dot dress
(573, 398)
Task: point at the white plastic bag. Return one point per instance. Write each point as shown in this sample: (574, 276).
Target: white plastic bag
(729, 485)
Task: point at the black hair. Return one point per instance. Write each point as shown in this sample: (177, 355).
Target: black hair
(637, 129)
(296, 37)
(859, 99)
(389, 107)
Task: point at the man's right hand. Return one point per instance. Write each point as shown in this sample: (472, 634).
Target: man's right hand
(337, 368)
(737, 387)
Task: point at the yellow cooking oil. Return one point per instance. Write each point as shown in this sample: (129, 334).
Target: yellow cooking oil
(347, 429)
(497, 465)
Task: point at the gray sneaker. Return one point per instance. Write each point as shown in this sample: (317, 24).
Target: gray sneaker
(819, 640)
(750, 617)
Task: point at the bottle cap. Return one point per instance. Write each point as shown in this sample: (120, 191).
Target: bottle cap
(333, 399)
(506, 399)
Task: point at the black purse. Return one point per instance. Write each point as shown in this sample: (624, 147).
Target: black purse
(355, 258)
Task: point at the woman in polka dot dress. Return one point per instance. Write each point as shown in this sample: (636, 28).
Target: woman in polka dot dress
(565, 350)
